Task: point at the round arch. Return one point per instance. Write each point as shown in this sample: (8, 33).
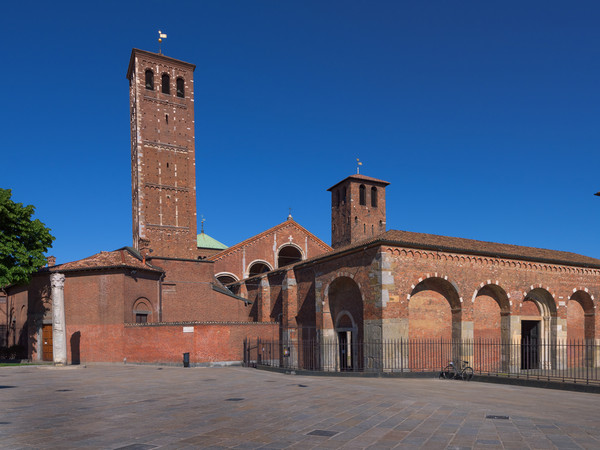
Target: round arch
(434, 310)
(289, 253)
(543, 299)
(142, 310)
(346, 311)
(345, 322)
(491, 307)
(257, 267)
(581, 316)
(226, 277)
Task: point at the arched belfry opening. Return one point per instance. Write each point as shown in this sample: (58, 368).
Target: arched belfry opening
(346, 309)
(288, 254)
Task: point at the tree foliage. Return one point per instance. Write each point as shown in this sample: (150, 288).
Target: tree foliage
(23, 241)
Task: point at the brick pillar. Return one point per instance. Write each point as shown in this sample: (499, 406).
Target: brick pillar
(243, 292)
(59, 332)
(264, 294)
(289, 294)
(325, 332)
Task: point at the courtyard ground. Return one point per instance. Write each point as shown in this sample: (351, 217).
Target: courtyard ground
(145, 407)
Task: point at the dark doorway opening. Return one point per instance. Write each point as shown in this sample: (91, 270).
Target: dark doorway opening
(530, 342)
(346, 357)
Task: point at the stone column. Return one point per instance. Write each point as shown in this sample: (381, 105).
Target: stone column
(59, 331)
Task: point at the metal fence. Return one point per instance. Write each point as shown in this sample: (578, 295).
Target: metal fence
(576, 361)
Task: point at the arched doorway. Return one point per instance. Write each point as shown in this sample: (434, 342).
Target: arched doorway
(346, 331)
(538, 330)
(346, 309)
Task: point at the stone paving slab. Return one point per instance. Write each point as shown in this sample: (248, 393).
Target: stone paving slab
(147, 407)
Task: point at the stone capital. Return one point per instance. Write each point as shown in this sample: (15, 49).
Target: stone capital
(57, 280)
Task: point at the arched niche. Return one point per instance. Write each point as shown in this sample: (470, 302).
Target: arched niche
(434, 310)
(580, 316)
(490, 307)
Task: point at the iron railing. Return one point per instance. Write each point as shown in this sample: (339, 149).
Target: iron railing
(574, 361)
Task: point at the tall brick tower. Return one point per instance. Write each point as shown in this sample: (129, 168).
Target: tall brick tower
(357, 209)
(163, 168)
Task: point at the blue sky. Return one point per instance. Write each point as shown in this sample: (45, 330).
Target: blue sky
(483, 116)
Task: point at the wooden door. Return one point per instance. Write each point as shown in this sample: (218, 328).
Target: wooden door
(47, 343)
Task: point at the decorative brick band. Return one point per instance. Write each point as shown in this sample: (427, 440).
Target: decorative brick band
(178, 324)
(166, 187)
(163, 146)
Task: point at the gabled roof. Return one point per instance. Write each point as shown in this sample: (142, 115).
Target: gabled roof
(434, 242)
(359, 177)
(125, 257)
(203, 240)
(288, 222)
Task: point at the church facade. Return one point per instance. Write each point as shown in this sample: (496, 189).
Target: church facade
(176, 291)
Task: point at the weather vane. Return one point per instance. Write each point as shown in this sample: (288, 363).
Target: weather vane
(202, 224)
(358, 164)
(161, 36)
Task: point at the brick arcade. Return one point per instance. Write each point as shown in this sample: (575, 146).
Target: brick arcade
(175, 290)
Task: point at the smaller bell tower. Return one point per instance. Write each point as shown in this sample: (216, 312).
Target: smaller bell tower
(357, 209)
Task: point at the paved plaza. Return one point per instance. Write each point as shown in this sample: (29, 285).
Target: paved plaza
(146, 407)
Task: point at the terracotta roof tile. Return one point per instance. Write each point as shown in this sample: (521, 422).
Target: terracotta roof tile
(118, 258)
(434, 242)
(360, 177)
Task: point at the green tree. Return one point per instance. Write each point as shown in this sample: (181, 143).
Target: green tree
(23, 241)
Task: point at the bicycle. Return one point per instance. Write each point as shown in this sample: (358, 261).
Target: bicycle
(451, 372)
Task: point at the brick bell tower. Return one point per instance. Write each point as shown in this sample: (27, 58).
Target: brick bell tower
(357, 209)
(163, 167)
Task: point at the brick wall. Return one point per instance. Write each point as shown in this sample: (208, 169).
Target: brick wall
(163, 157)
(208, 343)
(265, 247)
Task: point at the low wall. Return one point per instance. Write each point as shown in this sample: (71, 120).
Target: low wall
(164, 342)
(205, 342)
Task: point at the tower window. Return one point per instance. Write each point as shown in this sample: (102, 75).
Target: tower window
(362, 194)
(149, 80)
(180, 88)
(166, 84)
(344, 196)
(336, 201)
(374, 197)
(167, 119)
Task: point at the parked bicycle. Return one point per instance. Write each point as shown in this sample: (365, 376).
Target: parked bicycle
(451, 372)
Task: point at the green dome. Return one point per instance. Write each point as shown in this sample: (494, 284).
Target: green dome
(205, 241)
